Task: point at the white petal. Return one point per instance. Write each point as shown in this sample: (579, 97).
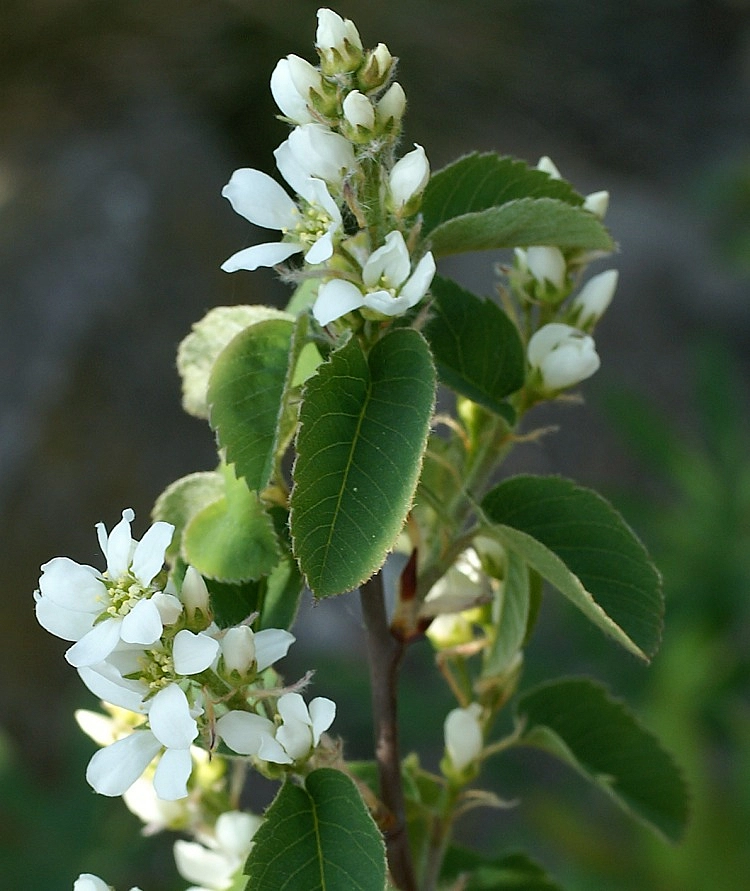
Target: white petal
(196, 863)
(148, 557)
(547, 338)
(142, 625)
(266, 254)
(463, 735)
(106, 682)
(547, 264)
(409, 176)
(322, 153)
(272, 750)
(291, 707)
(119, 546)
(287, 96)
(322, 250)
(193, 653)
(419, 281)
(172, 773)
(271, 644)
(235, 830)
(260, 199)
(335, 299)
(113, 770)
(390, 263)
(322, 712)
(170, 719)
(384, 303)
(96, 644)
(73, 585)
(65, 623)
(88, 882)
(291, 169)
(296, 738)
(244, 732)
(169, 607)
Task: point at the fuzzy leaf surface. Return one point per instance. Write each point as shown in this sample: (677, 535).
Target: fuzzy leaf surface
(577, 721)
(364, 425)
(319, 837)
(582, 546)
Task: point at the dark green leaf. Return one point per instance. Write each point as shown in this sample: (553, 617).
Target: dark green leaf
(579, 543)
(364, 426)
(477, 182)
(245, 396)
(521, 223)
(319, 837)
(579, 722)
(476, 347)
(512, 871)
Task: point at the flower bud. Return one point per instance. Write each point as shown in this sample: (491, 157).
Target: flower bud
(562, 356)
(291, 82)
(391, 106)
(359, 115)
(547, 165)
(547, 264)
(195, 598)
(408, 178)
(377, 68)
(597, 203)
(238, 650)
(594, 298)
(338, 43)
(463, 735)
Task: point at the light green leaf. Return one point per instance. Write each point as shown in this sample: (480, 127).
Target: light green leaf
(477, 349)
(199, 350)
(579, 543)
(183, 499)
(319, 837)
(577, 721)
(364, 426)
(510, 616)
(232, 539)
(246, 397)
(479, 181)
(511, 871)
(521, 223)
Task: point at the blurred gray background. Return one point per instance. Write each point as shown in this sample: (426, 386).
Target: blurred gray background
(122, 120)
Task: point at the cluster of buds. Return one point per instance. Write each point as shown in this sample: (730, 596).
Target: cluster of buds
(562, 353)
(146, 647)
(353, 212)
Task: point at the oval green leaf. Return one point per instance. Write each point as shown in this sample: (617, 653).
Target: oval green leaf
(577, 721)
(319, 837)
(364, 425)
(183, 499)
(582, 546)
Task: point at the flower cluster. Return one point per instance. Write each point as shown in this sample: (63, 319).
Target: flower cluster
(354, 205)
(143, 646)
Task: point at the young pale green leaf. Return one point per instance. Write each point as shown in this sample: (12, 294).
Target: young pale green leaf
(479, 181)
(577, 721)
(521, 223)
(232, 539)
(476, 347)
(183, 499)
(510, 616)
(319, 837)
(245, 396)
(581, 545)
(512, 871)
(200, 349)
(364, 426)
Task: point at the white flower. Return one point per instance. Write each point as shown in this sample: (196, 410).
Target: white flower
(314, 151)
(409, 176)
(98, 610)
(291, 82)
(214, 863)
(338, 43)
(310, 228)
(594, 298)
(173, 728)
(241, 648)
(562, 355)
(463, 735)
(546, 264)
(249, 734)
(358, 110)
(391, 104)
(389, 289)
(86, 881)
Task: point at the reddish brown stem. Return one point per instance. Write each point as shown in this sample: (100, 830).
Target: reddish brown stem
(385, 654)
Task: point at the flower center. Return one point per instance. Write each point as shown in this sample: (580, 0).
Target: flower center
(157, 669)
(313, 224)
(124, 593)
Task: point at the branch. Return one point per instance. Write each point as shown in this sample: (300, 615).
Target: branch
(385, 654)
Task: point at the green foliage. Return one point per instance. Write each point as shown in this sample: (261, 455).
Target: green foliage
(575, 540)
(511, 612)
(364, 425)
(578, 722)
(476, 347)
(319, 837)
(512, 871)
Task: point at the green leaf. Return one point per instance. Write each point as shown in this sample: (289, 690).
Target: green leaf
(510, 616)
(579, 543)
(245, 395)
(527, 221)
(576, 720)
(479, 181)
(233, 603)
(476, 347)
(512, 871)
(183, 499)
(364, 426)
(232, 539)
(319, 837)
(200, 349)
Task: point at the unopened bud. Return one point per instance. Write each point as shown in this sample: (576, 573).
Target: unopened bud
(547, 264)
(238, 650)
(408, 177)
(463, 735)
(562, 356)
(594, 298)
(291, 82)
(359, 115)
(597, 203)
(195, 597)
(391, 106)
(376, 70)
(338, 43)
(547, 165)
